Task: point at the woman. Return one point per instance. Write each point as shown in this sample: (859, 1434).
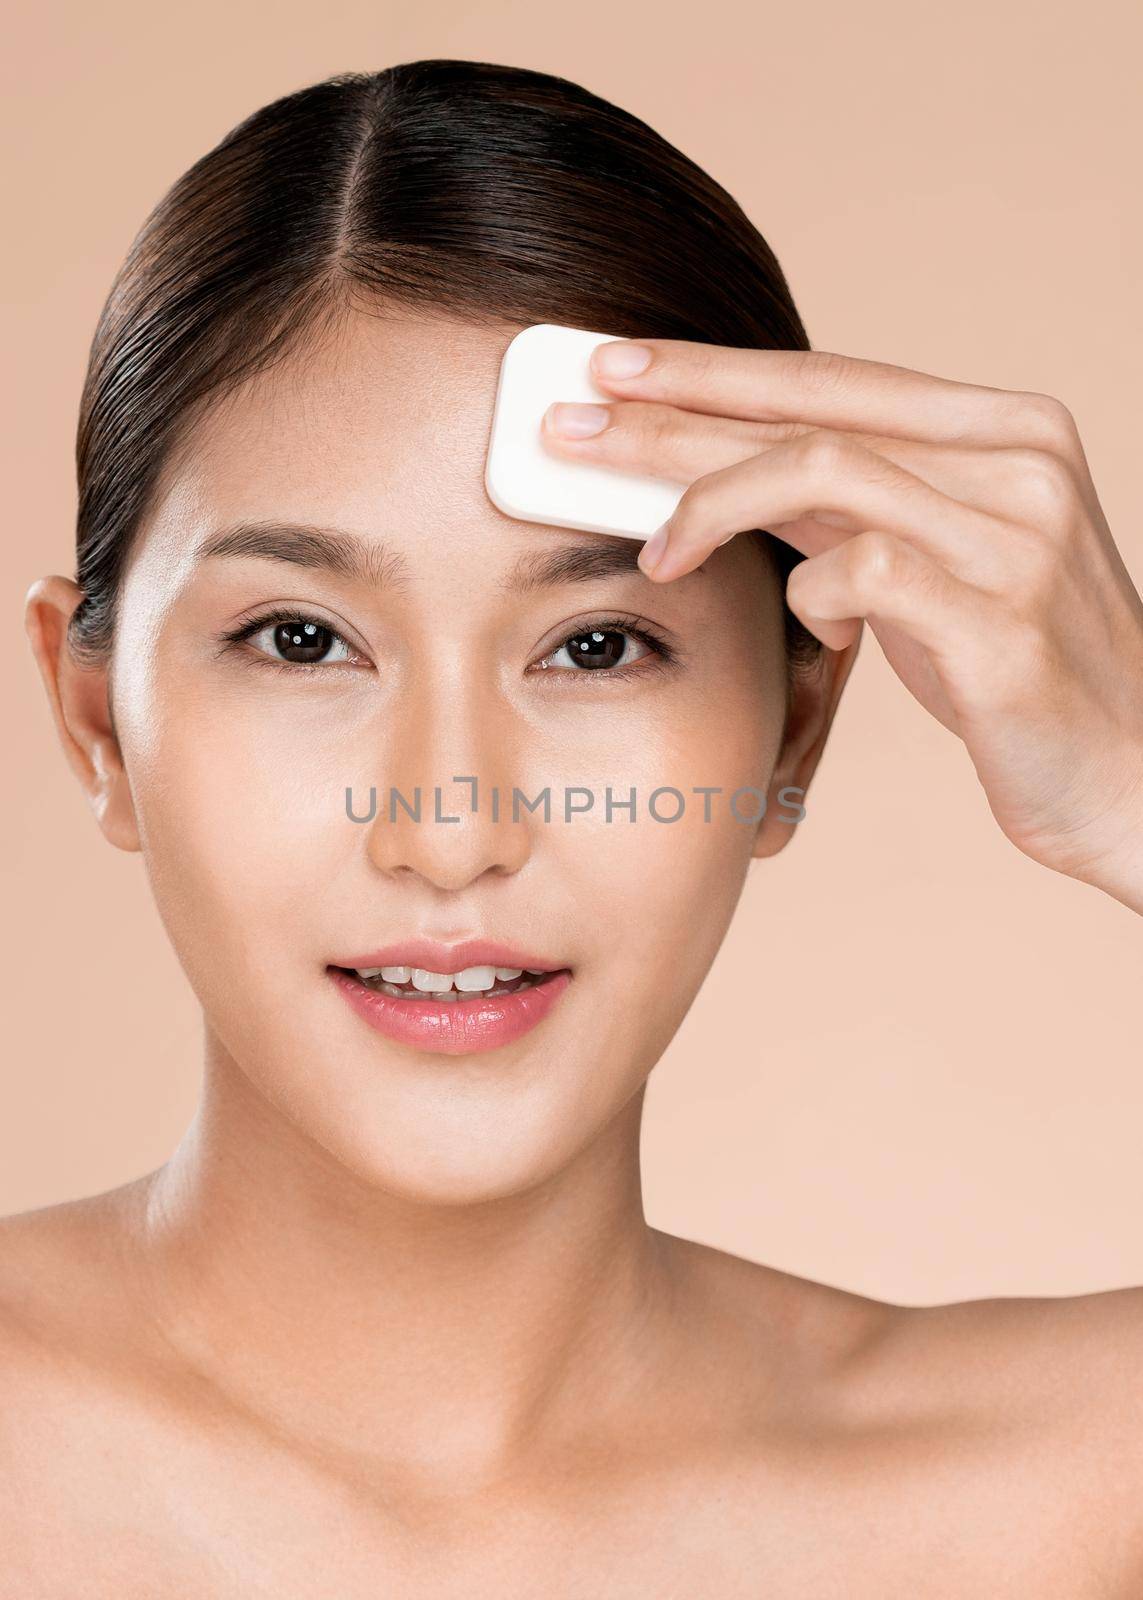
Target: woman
(390, 1319)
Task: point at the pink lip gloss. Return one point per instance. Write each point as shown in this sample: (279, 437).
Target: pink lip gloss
(453, 1027)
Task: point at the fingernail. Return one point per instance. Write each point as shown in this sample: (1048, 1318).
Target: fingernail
(652, 551)
(620, 359)
(575, 420)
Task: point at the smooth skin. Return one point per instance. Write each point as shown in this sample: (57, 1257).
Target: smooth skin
(395, 1324)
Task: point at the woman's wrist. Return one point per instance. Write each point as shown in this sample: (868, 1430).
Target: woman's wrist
(1117, 866)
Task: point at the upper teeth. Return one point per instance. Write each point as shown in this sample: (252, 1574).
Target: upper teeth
(469, 981)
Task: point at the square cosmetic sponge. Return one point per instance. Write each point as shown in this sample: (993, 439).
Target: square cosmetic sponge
(547, 362)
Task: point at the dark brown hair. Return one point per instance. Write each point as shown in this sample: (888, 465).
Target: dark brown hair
(490, 192)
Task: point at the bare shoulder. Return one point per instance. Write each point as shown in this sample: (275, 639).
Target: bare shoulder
(81, 1403)
(1071, 1361)
(1069, 1365)
(1083, 1347)
(1020, 1418)
(67, 1323)
(62, 1265)
(1056, 1382)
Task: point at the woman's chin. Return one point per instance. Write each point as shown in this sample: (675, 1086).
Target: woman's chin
(447, 1176)
(451, 1139)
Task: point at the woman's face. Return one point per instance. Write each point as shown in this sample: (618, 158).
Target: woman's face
(423, 665)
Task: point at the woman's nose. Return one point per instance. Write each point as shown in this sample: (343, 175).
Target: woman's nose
(449, 832)
(445, 811)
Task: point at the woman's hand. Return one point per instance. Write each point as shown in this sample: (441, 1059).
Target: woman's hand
(960, 521)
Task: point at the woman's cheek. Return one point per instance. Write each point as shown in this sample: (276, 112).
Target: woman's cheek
(243, 822)
(658, 893)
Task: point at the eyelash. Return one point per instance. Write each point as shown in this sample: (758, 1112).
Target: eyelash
(663, 654)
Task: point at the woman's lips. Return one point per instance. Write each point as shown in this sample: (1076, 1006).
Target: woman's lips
(453, 1027)
(435, 956)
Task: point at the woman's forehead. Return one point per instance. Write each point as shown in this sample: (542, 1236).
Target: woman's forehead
(381, 431)
(391, 410)
(376, 440)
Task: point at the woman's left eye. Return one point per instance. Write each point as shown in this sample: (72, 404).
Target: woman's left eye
(593, 649)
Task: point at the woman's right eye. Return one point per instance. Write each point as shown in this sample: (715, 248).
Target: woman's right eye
(301, 642)
(296, 641)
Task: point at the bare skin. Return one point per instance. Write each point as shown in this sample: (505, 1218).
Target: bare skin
(756, 1433)
(388, 1324)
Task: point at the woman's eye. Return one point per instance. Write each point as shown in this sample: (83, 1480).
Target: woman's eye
(596, 648)
(300, 641)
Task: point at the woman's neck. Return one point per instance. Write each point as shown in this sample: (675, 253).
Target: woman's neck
(453, 1338)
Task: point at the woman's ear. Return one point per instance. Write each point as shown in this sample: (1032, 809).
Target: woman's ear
(81, 705)
(814, 698)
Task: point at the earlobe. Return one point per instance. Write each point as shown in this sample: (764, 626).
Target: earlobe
(81, 708)
(813, 703)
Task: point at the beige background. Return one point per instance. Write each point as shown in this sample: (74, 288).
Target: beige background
(950, 1099)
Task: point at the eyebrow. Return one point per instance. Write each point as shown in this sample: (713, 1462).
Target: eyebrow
(591, 556)
(332, 549)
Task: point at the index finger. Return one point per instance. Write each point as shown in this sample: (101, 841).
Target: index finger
(829, 390)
